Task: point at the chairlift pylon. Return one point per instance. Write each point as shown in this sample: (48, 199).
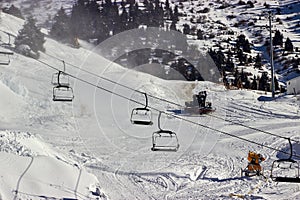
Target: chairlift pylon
(164, 140)
(142, 115)
(281, 169)
(62, 92)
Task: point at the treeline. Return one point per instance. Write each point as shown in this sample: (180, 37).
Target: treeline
(89, 20)
(228, 59)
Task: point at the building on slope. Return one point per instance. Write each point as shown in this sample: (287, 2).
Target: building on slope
(293, 86)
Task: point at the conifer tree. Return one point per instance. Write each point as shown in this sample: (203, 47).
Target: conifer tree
(257, 61)
(158, 15)
(61, 27)
(78, 21)
(175, 16)
(123, 19)
(262, 85)
(12, 10)
(186, 29)
(288, 45)
(31, 36)
(278, 38)
(276, 83)
(254, 83)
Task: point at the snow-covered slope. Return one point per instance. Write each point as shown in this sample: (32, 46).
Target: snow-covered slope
(94, 133)
(30, 169)
(42, 10)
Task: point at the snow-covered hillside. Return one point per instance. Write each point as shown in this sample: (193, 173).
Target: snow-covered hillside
(42, 10)
(51, 149)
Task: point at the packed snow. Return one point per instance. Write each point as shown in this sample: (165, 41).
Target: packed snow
(88, 149)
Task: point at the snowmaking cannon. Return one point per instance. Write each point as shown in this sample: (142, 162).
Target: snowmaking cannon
(253, 168)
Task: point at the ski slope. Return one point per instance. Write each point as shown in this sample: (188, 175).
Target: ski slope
(46, 145)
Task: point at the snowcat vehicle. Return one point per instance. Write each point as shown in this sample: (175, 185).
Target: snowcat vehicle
(197, 106)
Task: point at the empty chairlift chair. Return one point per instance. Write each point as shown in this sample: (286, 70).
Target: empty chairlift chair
(142, 116)
(164, 140)
(286, 170)
(4, 57)
(62, 92)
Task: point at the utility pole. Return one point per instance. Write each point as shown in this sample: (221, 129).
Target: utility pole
(271, 55)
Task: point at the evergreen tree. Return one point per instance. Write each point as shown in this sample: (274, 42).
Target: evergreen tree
(288, 45)
(200, 34)
(158, 15)
(229, 65)
(175, 16)
(241, 56)
(246, 46)
(173, 26)
(186, 29)
(250, 4)
(61, 27)
(243, 43)
(12, 10)
(167, 5)
(123, 19)
(263, 82)
(257, 61)
(254, 84)
(78, 24)
(136, 16)
(247, 84)
(276, 83)
(278, 38)
(31, 36)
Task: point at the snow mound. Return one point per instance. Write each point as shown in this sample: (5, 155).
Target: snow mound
(24, 144)
(30, 169)
(14, 85)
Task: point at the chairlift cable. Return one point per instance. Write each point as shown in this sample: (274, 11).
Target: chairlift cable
(231, 135)
(170, 102)
(253, 128)
(94, 85)
(173, 103)
(114, 82)
(168, 114)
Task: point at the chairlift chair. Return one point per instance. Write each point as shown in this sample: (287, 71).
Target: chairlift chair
(7, 44)
(142, 116)
(62, 92)
(7, 60)
(164, 140)
(286, 170)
